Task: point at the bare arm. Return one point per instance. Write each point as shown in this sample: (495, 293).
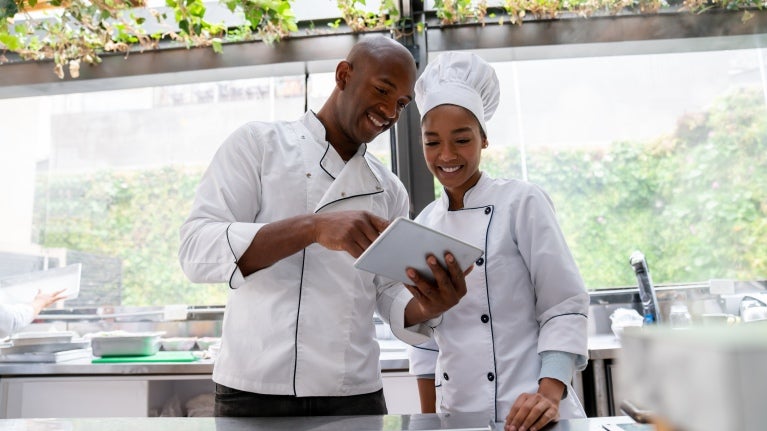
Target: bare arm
(350, 231)
(427, 393)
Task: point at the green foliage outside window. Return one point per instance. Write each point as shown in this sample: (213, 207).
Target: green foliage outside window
(694, 202)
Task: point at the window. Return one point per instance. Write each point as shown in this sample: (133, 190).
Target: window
(663, 153)
(107, 178)
(662, 150)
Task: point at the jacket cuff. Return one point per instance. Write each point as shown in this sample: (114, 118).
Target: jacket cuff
(415, 334)
(240, 236)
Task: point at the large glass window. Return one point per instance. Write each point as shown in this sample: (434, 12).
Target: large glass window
(106, 179)
(663, 153)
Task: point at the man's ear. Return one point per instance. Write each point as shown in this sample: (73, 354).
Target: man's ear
(343, 72)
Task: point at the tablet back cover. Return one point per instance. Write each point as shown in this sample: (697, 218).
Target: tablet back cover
(406, 243)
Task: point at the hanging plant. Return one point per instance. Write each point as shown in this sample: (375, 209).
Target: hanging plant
(517, 10)
(460, 11)
(76, 31)
(359, 19)
(73, 32)
(272, 20)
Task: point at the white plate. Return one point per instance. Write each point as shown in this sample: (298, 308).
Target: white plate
(33, 338)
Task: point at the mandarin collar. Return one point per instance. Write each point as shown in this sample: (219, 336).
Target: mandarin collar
(481, 183)
(331, 161)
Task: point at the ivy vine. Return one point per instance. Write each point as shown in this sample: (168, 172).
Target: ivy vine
(81, 31)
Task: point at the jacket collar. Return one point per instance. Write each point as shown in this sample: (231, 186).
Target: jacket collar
(331, 162)
(352, 178)
(483, 181)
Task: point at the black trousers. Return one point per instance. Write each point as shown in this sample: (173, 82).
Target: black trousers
(235, 403)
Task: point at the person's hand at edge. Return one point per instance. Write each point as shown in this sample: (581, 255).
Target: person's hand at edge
(43, 300)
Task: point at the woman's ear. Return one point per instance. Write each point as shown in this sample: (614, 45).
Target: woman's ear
(343, 71)
(484, 142)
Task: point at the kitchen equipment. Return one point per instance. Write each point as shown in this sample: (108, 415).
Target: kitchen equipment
(646, 289)
(679, 316)
(206, 342)
(178, 343)
(46, 357)
(120, 343)
(157, 357)
(10, 348)
(753, 308)
(622, 318)
(37, 338)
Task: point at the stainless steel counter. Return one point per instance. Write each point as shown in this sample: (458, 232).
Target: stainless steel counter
(462, 421)
(390, 361)
(600, 348)
(604, 347)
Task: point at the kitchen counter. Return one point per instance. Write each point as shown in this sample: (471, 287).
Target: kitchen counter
(602, 348)
(459, 421)
(391, 359)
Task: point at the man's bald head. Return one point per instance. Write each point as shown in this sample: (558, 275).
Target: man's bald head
(380, 49)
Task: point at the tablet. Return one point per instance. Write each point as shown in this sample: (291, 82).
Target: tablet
(406, 243)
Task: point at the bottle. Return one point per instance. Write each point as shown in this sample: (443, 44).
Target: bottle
(646, 289)
(679, 316)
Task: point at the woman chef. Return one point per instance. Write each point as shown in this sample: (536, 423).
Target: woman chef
(512, 345)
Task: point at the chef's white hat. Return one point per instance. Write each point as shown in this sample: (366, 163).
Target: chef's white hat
(459, 78)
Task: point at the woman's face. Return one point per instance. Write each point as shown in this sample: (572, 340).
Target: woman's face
(452, 147)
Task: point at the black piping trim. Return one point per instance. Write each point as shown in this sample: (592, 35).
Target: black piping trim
(231, 276)
(490, 312)
(349, 197)
(564, 314)
(327, 148)
(298, 313)
(489, 309)
(424, 348)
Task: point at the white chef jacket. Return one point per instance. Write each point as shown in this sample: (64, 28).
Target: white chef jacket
(304, 325)
(14, 317)
(525, 296)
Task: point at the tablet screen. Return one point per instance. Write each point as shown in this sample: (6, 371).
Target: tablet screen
(406, 243)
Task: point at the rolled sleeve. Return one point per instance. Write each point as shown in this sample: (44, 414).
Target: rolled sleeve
(240, 236)
(415, 334)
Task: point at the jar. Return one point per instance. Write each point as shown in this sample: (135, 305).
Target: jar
(679, 316)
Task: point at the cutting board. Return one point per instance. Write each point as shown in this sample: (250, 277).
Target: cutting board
(157, 357)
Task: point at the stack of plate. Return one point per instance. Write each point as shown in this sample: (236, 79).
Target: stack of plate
(44, 347)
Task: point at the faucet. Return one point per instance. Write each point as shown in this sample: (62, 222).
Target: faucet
(650, 308)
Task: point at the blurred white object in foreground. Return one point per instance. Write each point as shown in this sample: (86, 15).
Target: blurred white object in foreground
(709, 378)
